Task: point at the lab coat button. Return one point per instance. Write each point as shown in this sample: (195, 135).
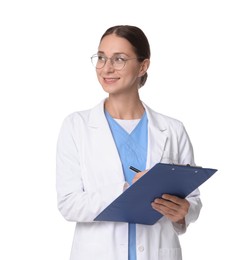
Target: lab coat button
(141, 248)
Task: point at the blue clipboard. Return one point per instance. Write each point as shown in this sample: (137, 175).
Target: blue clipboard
(134, 204)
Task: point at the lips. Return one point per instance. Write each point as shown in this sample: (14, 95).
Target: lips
(111, 80)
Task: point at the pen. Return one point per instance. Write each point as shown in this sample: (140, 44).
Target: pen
(134, 169)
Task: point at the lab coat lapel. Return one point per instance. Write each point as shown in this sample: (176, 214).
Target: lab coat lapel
(157, 138)
(110, 161)
(105, 148)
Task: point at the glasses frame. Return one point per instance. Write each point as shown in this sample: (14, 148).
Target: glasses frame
(112, 61)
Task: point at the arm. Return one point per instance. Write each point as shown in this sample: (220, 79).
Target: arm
(181, 212)
(75, 201)
(186, 156)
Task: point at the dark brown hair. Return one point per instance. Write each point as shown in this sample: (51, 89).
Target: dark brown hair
(138, 40)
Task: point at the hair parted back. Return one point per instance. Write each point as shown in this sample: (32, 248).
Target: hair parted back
(138, 40)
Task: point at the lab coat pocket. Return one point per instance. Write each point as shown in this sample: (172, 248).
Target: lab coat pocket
(170, 254)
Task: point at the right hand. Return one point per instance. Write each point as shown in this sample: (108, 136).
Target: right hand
(139, 175)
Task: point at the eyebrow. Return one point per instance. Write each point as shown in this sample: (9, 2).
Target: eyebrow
(116, 53)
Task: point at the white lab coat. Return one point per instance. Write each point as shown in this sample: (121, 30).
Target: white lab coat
(90, 176)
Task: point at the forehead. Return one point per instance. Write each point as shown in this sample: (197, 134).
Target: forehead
(112, 44)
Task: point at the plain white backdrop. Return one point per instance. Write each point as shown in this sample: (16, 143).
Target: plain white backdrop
(200, 74)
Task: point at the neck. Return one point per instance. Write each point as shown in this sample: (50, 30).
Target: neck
(124, 108)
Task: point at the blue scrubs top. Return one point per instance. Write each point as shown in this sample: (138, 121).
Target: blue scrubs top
(132, 149)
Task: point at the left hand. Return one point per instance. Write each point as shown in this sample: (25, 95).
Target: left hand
(172, 207)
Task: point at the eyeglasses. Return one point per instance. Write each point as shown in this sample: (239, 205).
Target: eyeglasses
(117, 61)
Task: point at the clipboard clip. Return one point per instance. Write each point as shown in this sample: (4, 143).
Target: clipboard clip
(186, 165)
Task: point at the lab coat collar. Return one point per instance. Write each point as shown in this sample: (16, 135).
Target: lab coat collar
(97, 116)
(157, 134)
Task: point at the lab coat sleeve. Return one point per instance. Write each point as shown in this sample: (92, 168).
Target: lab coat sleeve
(74, 202)
(186, 156)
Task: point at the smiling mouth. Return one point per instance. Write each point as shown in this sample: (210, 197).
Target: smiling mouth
(111, 80)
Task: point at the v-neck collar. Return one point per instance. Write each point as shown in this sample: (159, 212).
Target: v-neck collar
(110, 118)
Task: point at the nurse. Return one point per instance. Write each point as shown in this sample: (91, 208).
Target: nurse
(97, 146)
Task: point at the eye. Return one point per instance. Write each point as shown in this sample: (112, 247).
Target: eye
(119, 59)
(101, 58)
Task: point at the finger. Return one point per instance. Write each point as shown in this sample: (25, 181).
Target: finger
(169, 207)
(169, 213)
(183, 203)
(172, 198)
(166, 203)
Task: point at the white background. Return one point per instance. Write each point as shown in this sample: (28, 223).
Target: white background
(199, 74)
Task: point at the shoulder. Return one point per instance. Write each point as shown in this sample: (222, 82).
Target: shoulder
(83, 116)
(73, 120)
(76, 116)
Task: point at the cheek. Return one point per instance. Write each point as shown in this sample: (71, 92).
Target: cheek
(132, 75)
(98, 76)
(97, 73)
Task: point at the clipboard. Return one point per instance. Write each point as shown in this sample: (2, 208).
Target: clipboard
(134, 204)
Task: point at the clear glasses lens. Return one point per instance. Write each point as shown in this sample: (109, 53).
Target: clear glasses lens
(99, 62)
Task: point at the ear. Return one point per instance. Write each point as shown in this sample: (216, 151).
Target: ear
(144, 67)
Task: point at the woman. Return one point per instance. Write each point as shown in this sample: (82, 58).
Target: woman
(97, 146)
